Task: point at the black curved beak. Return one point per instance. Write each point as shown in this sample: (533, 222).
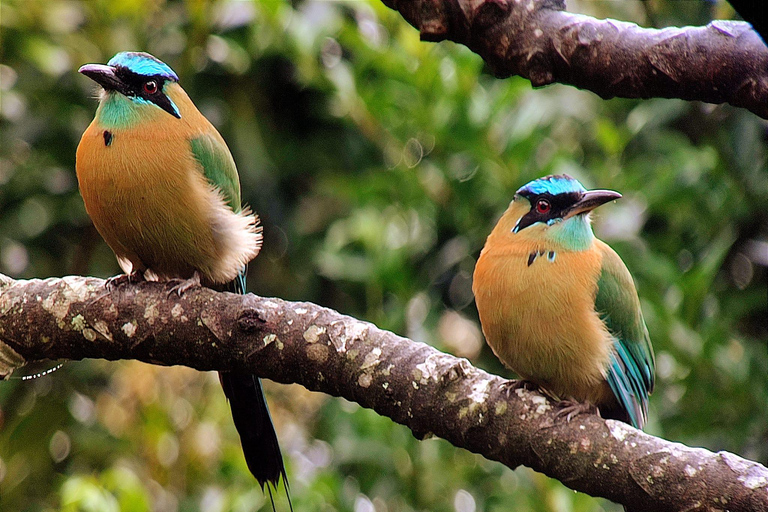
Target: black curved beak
(591, 200)
(102, 75)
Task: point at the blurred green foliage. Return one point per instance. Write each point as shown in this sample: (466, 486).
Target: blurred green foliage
(378, 164)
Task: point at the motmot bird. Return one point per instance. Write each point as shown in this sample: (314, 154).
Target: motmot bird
(162, 189)
(559, 307)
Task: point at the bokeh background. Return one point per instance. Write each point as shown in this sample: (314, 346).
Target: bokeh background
(378, 164)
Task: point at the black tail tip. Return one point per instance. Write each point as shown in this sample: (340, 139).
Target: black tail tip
(268, 485)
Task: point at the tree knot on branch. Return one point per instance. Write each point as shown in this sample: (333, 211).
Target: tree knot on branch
(436, 19)
(539, 69)
(250, 321)
(490, 13)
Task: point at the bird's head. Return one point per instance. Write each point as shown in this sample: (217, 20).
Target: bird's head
(138, 77)
(556, 209)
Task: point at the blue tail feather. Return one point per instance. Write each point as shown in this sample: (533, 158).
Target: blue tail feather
(629, 385)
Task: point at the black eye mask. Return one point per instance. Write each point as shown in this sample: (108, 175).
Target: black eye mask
(559, 205)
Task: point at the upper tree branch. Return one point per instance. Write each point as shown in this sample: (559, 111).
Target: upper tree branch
(412, 383)
(724, 62)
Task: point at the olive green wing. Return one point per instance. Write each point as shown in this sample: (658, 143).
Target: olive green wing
(632, 368)
(218, 167)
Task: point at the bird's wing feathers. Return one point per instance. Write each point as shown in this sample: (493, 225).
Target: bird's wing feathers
(631, 372)
(218, 167)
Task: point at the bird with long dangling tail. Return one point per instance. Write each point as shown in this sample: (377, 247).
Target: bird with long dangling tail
(559, 307)
(162, 189)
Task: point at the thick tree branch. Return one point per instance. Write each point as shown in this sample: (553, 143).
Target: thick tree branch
(412, 383)
(724, 62)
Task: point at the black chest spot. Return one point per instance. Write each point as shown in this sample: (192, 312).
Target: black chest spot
(551, 255)
(107, 138)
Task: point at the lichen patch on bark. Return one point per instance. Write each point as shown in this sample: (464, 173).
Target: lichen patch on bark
(618, 430)
(480, 392)
(313, 333)
(151, 313)
(9, 360)
(129, 328)
(372, 359)
(317, 352)
(177, 311)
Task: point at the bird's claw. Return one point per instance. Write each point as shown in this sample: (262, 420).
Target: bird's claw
(572, 408)
(185, 285)
(511, 386)
(115, 282)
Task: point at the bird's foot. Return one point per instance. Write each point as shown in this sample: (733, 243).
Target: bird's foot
(115, 282)
(572, 408)
(511, 386)
(185, 285)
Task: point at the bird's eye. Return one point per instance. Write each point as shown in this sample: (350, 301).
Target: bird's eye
(543, 206)
(150, 87)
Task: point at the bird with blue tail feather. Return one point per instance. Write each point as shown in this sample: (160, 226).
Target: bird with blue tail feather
(162, 189)
(559, 307)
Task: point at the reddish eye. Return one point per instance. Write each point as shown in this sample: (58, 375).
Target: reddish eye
(150, 87)
(542, 206)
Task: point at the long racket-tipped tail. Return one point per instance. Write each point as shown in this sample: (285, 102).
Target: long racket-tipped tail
(253, 421)
(257, 433)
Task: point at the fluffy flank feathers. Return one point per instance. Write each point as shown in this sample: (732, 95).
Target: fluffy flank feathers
(238, 235)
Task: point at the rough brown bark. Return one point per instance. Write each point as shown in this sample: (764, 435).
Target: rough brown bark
(724, 62)
(412, 383)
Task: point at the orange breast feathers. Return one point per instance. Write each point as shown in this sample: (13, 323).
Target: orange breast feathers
(536, 305)
(148, 197)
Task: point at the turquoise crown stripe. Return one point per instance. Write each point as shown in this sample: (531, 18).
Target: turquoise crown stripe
(556, 184)
(143, 64)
